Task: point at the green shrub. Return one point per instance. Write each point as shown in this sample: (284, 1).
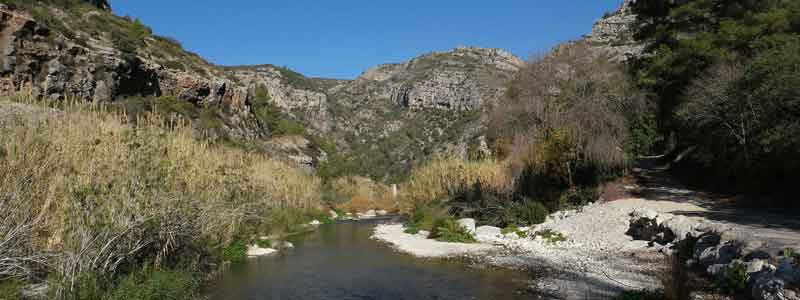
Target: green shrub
(235, 253)
(156, 285)
(448, 230)
(527, 212)
(10, 289)
(264, 243)
(514, 229)
(787, 252)
(411, 228)
(285, 222)
(551, 236)
(732, 279)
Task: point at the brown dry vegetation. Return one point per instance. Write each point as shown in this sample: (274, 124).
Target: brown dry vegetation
(84, 194)
(360, 194)
(433, 183)
(566, 110)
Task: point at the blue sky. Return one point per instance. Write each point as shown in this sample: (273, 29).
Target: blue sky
(341, 39)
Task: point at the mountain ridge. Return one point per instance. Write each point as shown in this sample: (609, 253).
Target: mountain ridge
(394, 115)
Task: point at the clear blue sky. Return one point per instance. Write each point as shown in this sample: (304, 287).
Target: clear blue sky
(341, 39)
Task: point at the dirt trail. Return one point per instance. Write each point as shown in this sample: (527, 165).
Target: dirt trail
(777, 229)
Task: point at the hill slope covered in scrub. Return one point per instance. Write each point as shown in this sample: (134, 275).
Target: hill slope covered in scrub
(394, 114)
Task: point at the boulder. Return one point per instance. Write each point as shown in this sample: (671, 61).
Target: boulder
(488, 234)
(644, 214)
(720, 254)
(254, 251)
(769, 287)
(333, 214)
(754, 266)
(787, 270)
(468, 224)
(791, 295)
(315, 223)
(367, 215)
(381, 212)
(680, 226)
(284, 245)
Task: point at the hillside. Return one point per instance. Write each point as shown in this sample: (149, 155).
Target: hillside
(396, 115)
(393, 115)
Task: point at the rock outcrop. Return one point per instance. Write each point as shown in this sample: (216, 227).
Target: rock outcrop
(461, 80)
(614, 33)
(721, 251)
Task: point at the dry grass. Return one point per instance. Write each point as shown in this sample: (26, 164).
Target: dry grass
(84, 193)
(362, 194)
(435, 181)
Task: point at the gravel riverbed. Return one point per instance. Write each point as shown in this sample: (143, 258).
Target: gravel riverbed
(596, 261)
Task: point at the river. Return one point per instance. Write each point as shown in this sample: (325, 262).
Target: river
(340, 261)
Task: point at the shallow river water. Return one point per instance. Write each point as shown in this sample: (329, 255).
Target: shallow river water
(341, 262)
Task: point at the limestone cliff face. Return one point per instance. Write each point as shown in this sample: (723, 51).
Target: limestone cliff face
(459, 80)
(398, 115)
(43, 62)
(614, 33)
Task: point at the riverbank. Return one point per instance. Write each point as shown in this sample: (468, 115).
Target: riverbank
(596, 251)
(598, 258)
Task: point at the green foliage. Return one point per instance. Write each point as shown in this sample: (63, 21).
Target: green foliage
(448, 230)
(10, 289)
(155, 285)
(296, 80)
(514, 229)
(724, 74)
(285, 221)
(420, 218)
(497, 208)
(732, 279)
(788, 252)
(641, 295)
(551, 236)
(411, 228)
(270, 117)
(526, 212)
(235, 252)
(264, 243)
(644, 136)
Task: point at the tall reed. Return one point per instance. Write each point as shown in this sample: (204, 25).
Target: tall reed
(82, 192)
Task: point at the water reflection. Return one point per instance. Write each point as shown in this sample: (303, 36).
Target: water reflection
(342, 262)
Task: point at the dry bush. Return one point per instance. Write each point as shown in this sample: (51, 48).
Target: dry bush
(565, 109)
(438, 179)
(360, 194)
(93, 195)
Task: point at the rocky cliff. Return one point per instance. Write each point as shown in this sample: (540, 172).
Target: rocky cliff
(77, 51)
(614, 33)
(396, 115)
(460, 80)
(391, 117)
